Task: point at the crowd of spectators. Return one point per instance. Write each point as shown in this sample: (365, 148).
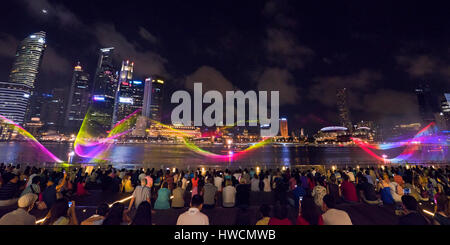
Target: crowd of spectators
(313, 193)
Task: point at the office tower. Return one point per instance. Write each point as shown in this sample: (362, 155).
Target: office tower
(284, 128)
(78, 100)
(123, 105)
(445, 111)
(427, 103)
(15, 94)
(344, 111)
(101, 109)
(38, 100)
(143, 120)
(157, 97)
(54, 111)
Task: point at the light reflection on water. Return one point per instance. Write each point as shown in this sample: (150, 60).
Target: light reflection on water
(157, 156)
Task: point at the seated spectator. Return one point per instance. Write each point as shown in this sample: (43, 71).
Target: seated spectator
(348, 190)
(412, 215)
(127, 187)
(162, 202)
(9, 191)
(332, 216)
(143, 214)
(117, 215)
(34, 187)
(442, 210)
(21, 215)
(255, 184)
(319, 191)
(49, 194)
(141, 193)
(369, 178)
(178, 196)
(333, 189)
(228, 195)
(367, 192)
(218, 180)
(398, 178)
(61, 214)
(81, 191)
(98, 217)
(396, 190)
(385, 191)
(265, 213)
(243, 194)
(309, 212)
(194, 216)
(280, 216)
(209, 194)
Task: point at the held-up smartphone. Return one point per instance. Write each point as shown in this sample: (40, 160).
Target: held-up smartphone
(70, 204)
(301, 198)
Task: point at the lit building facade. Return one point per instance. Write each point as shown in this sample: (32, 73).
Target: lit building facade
(53, 112)
(103, 93)
(343, 108)
(427, 103)
(284, 128)
(15, 94)
(156, 107)
(332, 135)
(78, 100)
(123, 105)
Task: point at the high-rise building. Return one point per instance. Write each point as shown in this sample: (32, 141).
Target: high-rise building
(54, 111)
(123, 105)
(78, 101)
(104, 89)
(36, 104)
(142, 122)
(344, 111)
(445, 111)
(15, 94)
(284, 128)
(427, 103)
(157, 98)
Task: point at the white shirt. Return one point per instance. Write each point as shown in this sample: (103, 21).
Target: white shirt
(267, 185)
(229, 195)
(218, 182)
(336, 217)
(193, 217)
(254, 184)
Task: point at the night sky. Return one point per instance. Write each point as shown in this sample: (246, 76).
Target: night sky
(306, 49)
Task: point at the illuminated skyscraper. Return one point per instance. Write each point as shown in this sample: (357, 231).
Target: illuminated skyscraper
(142, 122)
(103, 93)
(78, 101)
(284, 128)
(15, 94)
(157, 97)
(427, 103)
(344, 111)
(123, 105)
(54, 110)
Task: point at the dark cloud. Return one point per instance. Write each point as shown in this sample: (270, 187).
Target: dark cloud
(211, 79)
(144, 33)
(54, 62)
(277, 79)
(146, 62)
(60, 14)
(8, 45)
(418, 66)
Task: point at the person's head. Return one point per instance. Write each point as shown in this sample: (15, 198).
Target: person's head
(409, 203)
(102, 209)
(328, 202)
(58, 209)
(143, 214)
(36, 180)
(309, 210)
(27, 201)
(265, 210)
(143, 181)
(442, 204)
(345, 177)
(115, 214)
(197, 202)
(281, 212)
(165, 185)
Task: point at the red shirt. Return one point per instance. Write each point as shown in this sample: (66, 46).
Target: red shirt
(349, 191)
(195, 182)
(275, 221)
(302, 221)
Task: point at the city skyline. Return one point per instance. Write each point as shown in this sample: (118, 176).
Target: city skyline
(371, 86)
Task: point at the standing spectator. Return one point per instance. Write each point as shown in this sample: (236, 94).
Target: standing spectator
(298, 192)
(412, 216)
(194, 216)
(309, 213)
(98, 217)
(162, 202)
(267, 183)
(333, 216)
(21, 215)
(218, 180)
(255, 184)
(228, 195)
(265, 212)
(143, 214)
